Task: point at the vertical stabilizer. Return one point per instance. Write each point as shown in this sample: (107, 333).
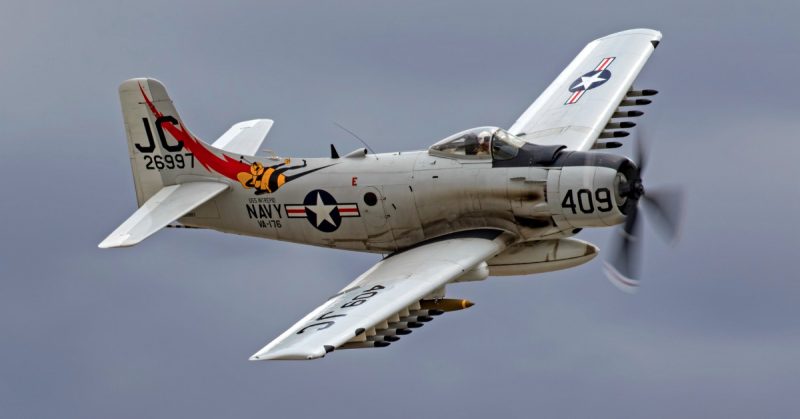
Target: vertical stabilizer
(162, 151)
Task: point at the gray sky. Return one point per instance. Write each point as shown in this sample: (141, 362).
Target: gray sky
(164, 329)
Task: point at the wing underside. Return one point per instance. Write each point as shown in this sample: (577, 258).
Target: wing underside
(396, 295)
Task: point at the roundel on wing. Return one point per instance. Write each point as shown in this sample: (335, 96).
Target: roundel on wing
(590, 80)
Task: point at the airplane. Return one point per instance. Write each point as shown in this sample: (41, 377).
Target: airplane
(482, 202)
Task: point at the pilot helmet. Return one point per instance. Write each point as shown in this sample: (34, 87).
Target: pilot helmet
(484, 138)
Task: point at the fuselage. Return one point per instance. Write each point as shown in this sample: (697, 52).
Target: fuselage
(388, 202)
(391, 193)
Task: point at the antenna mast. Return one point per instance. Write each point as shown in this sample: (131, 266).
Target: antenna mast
(357, 138)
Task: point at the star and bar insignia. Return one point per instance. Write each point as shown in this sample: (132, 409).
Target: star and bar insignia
(322, 211)
(590, 80)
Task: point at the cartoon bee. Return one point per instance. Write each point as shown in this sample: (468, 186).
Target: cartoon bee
(268, 179)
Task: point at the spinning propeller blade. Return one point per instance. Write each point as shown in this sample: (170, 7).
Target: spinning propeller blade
(664, 207)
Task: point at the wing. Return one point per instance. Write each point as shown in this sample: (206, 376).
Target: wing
(579, 103)
(385, 301)
(245, 137)
(169, 204)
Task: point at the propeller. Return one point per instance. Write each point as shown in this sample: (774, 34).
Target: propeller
(664, 207)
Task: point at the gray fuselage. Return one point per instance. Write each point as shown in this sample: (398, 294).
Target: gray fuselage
(419, 197)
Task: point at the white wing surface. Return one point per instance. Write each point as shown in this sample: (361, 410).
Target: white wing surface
(167, 205)
(384, 298)
(579, 103)
(245, 137)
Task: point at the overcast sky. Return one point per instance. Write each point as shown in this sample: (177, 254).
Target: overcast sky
(164, 329)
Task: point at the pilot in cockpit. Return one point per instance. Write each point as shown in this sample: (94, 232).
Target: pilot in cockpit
(484, 142)
(470, 144)
(477, 145)
(480, 143)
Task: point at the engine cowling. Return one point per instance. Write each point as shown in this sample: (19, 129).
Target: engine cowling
(585, 192)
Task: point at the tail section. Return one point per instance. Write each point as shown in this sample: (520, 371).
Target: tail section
(167, 205)
(163, 152)
(176, 175)
(174, 172)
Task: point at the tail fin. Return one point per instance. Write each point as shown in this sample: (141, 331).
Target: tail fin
(163, 152)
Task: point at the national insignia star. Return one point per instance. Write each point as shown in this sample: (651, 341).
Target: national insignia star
(587, 82)
(322, 211)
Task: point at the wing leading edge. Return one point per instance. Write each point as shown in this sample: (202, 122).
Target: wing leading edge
(381, 299)
(578, 104)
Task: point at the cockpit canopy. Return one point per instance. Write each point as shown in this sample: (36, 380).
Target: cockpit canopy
(479, 144)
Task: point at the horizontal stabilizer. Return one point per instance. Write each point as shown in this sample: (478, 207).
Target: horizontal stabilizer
(245, 137)
(169, 204)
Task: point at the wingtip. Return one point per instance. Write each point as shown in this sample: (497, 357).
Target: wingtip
(287, 355)
(113, 241)
(654, 34)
